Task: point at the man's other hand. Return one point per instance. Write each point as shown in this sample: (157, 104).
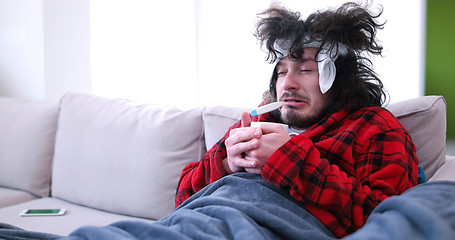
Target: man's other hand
(273, 137)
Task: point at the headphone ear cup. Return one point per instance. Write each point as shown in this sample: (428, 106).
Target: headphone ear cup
(327, 72)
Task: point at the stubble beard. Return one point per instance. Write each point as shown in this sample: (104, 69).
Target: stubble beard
(301, 119)
(292, 117)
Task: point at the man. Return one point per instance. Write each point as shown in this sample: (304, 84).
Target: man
(350, 154)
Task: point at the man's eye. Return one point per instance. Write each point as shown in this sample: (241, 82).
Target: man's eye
(281, 73)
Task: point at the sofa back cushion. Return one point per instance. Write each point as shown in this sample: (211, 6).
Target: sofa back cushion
(123, 157)
(27, 135)
(217, 120)
(424, 118)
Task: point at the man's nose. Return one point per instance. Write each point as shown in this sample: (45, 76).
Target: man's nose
(290, 81)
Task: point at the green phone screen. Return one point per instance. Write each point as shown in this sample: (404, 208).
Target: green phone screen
(42, 211)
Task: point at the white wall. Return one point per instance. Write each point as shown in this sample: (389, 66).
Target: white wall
(21, 49)
(66, 47)
(44, 48)
(177, 52)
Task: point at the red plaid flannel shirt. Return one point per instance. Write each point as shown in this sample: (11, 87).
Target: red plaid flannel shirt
(340, 168)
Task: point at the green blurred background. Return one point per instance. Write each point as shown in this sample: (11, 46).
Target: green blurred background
(440, 56)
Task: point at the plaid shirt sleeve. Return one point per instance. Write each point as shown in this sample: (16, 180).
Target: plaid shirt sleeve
(371, 157)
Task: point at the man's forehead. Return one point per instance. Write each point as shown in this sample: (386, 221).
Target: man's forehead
(308, 54)
(288, 60)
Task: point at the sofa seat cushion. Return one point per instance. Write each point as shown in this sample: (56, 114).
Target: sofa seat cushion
(121, 156)
(75, 216)
(27, 129)
(10, 196)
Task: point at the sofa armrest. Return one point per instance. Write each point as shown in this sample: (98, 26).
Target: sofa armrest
(446, 171)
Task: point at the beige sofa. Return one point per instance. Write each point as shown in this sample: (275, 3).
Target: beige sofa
(106, 160)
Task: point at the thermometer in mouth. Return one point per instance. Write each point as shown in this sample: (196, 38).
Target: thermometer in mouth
(266, 108)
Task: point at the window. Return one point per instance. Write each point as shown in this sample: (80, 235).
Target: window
(203, 52)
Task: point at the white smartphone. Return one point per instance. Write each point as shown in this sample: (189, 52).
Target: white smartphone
(42, 212)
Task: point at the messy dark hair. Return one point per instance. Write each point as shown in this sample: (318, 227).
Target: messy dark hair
(351, 25)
